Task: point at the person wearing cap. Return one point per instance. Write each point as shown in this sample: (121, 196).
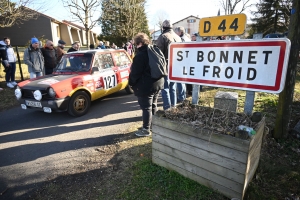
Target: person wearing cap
(60, 50)
(34, 59)
(75, 47)
(194, 37)
(50, 57)
(168, 36)
(101, 45)
(181, 87)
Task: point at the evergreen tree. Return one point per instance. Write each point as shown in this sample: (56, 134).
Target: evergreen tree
(272, 16)
(121, 20)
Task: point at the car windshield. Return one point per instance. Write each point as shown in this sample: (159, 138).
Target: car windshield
(75, 62)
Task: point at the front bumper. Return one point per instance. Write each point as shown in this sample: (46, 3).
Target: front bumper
(57, 105)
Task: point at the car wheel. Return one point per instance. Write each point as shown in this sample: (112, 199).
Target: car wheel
(79, 104)
(129, 90)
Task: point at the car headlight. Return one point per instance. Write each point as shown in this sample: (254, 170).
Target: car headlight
(37, 95)
(18, 93)
(51, 92)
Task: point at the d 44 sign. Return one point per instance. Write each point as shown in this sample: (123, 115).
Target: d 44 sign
(223, 25)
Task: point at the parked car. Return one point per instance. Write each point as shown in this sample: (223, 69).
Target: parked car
(79, 78)
(274, 35)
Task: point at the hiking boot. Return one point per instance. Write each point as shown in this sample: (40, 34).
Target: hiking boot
(10, 85)
(143, 133)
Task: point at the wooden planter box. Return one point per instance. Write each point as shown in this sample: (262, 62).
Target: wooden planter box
(218, 161)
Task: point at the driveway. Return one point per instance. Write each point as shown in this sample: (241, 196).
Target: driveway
(36, 146)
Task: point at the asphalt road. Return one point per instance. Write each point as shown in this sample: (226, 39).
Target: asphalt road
(36, 146)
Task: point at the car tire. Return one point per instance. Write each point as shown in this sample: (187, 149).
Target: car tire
(129, 90)
(79, 104)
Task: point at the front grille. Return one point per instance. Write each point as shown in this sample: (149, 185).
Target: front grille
(28, 94)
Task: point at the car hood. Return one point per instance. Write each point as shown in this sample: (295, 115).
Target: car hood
(45, 81)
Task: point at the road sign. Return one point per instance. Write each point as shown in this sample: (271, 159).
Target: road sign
(223, 25)
(255, 65)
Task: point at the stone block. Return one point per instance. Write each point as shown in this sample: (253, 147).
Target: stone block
(226, 101)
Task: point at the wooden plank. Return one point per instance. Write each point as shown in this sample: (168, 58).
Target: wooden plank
(252, 164)
(203, 144)
(232, 185)
(205, 134)
(259, 133)
(217, 169)
(202, 154)
(251, 169)
(225, 191)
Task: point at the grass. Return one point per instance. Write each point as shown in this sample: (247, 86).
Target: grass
(166, 185)
(136, 177)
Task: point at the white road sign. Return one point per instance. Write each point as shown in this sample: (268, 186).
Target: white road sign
(255, 65)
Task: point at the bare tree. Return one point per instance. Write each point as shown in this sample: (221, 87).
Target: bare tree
(83, 11)
(159, 17)
(18, 11)
(230, 6)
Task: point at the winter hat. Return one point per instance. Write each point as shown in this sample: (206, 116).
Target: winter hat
(61, 42)
(167, 24)
(34, 40)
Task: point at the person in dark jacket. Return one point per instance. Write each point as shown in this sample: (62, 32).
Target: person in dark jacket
(168, 36)
(75, 47)
(145, 88)
(60, 50)
(50, 57)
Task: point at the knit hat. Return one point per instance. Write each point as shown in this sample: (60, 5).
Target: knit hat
(34, 40)
(61, 42)
(167, 24)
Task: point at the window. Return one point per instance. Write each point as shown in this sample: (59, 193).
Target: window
(104, 61)
(191, 20)
(121, 59)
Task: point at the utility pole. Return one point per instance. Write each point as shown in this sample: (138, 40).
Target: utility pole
(284, 107)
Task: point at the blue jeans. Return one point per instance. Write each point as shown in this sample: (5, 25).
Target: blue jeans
(181, 91)
(148, 104)
(168, 94)
(10, 74)
(35, 74)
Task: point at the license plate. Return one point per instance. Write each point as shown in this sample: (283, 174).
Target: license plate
(34, 104)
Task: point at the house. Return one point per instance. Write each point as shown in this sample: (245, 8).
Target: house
(190, 23)
(46, 27)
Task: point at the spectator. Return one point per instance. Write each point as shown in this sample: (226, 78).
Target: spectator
(113, 46)
(92, 46)
(163, 41)
(60, 50)
(180, 31)
(75, 47)
(3, 57)
(50, 57)
(194, 37)
(101, 45)
(145, 88)
(34, 59)
(129, 48)
(11, 59)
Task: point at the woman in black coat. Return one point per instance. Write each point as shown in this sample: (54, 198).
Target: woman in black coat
(145, 88)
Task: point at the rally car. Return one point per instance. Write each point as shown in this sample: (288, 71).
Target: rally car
(79, 78)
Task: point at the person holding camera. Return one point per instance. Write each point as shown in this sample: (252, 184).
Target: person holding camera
(9, 62)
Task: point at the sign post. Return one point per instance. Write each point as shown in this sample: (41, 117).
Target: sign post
(248, 65)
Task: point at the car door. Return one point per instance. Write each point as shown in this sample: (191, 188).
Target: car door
(122, 67)
(104, 75)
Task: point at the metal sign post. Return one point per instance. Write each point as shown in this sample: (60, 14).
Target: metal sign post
(250, 95)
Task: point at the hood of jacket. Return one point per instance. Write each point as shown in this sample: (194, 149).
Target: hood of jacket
(2, 43)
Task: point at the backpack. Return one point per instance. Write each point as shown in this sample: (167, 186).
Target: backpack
(157, 62)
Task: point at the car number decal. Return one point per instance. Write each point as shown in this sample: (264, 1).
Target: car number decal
(110, 81)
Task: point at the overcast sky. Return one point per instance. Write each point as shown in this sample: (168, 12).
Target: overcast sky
(174, 9)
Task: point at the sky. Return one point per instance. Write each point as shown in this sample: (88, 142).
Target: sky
(175, 10)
